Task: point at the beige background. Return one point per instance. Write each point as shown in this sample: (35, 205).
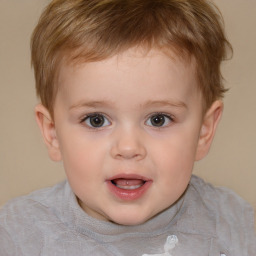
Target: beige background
(24, 164)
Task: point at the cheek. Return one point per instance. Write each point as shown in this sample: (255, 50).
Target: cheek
(174, 157)
(177, 149)
(82, 158)
(175, 167)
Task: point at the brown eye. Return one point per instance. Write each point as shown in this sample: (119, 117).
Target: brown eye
(159, 120)
(96, 121)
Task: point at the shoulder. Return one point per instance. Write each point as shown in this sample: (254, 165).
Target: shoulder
(222, 200)
(23, 217)
(234, 217)
(24, 206)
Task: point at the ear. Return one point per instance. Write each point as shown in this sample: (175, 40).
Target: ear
(47, 127)
(208, 129)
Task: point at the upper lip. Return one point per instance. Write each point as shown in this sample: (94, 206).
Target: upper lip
(129, 176)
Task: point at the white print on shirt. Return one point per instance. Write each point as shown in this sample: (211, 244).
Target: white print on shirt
(170, 243)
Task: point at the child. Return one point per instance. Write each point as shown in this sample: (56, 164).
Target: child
(130, 98)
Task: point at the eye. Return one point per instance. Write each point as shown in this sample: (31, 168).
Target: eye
(159, 120)
(96, 121)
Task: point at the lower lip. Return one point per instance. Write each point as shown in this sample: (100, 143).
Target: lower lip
(126, 194)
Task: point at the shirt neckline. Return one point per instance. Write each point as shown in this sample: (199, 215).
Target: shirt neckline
(74, 216)
(183, 216)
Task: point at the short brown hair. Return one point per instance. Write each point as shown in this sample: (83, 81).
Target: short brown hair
(92, 30)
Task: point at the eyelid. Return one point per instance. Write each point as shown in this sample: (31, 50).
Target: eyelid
(169, 116)
(87, 116)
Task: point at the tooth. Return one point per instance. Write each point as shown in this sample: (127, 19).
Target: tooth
(128, 187)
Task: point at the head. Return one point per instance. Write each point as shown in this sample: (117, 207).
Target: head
(131, 97)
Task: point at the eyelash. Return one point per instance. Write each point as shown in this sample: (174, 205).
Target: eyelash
(167, 118)
(91, 115)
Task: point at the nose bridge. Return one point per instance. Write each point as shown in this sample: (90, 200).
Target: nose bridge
(128, 143)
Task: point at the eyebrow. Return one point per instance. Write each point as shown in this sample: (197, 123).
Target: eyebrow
(149, 103)
(92, 104)
(163, 103)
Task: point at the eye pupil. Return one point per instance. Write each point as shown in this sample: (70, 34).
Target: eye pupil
(158, 120)
(97, 120)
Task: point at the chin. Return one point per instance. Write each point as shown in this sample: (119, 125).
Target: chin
(129, 222)
(130, 219)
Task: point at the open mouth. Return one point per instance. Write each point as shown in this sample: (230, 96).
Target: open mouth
(128, 187)
(128, 184)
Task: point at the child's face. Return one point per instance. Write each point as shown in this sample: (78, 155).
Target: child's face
(128, 130)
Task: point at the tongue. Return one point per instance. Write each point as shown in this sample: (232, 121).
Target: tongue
(128, 182)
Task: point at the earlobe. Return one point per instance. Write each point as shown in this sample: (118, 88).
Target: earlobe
(208, 129)
(47, 128)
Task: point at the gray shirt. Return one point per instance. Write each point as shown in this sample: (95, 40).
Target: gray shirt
(204, 221)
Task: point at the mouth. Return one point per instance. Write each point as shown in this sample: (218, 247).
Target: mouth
(128, 187)
(129, 184)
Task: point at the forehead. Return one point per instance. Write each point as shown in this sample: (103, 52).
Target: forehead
(164, 56)
(134, 71)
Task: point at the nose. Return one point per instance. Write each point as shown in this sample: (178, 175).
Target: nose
(128, 144)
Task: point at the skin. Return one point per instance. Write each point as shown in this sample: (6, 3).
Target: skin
(130, 92)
